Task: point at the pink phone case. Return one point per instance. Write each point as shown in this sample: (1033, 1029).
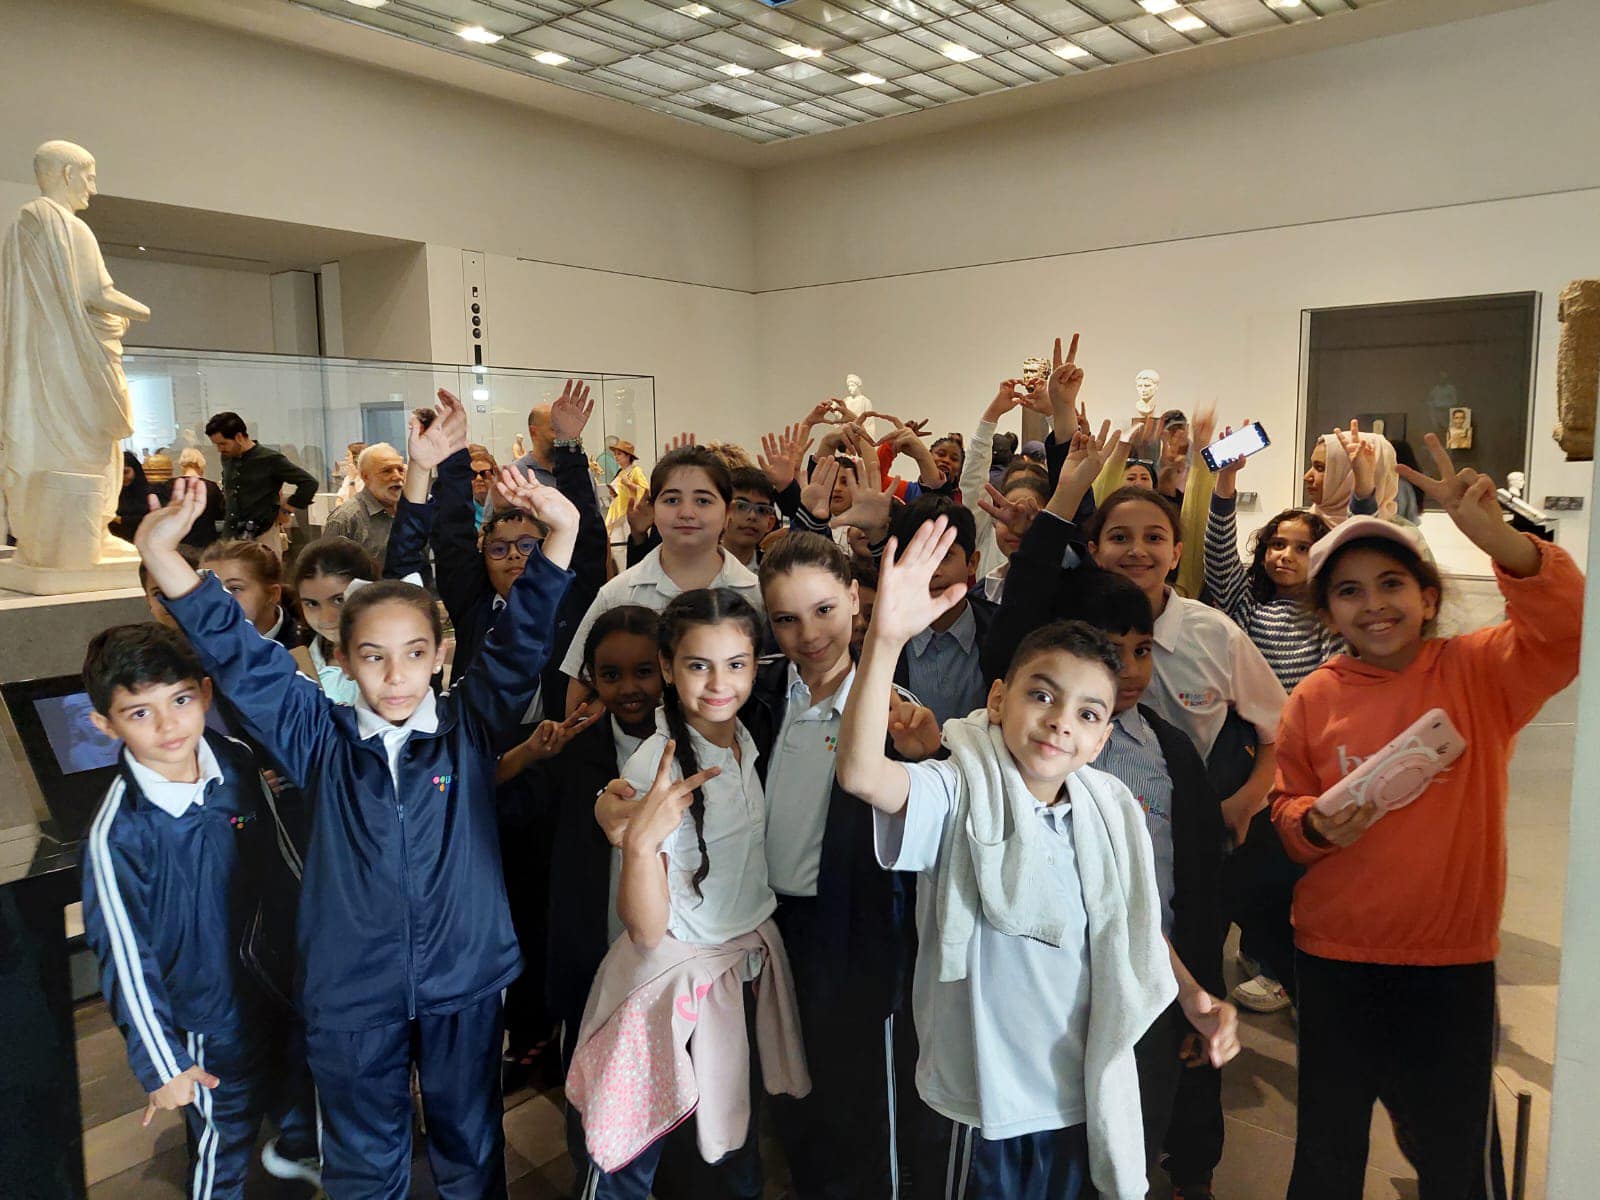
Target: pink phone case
(1396, 775)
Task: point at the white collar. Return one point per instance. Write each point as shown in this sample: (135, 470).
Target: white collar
(424, 720)
(272, 634)
(798, 691)
(733, 574)
(704, 747)
(1168, 629)
(172, 798)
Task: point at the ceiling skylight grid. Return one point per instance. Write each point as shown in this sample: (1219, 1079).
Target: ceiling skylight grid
(812, 66)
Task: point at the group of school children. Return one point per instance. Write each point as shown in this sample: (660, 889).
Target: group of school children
(925, 857)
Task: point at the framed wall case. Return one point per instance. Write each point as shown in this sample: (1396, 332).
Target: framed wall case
(1461, 368)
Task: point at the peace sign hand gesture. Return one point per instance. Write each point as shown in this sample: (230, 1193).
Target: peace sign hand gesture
(1363, 456)
(661, 811)
(1063, 386)
(1469, 498)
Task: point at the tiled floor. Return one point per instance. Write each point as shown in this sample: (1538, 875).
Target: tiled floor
(126, 1162)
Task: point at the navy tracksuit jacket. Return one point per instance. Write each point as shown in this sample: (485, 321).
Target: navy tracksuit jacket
(403, 919)
(169, 905)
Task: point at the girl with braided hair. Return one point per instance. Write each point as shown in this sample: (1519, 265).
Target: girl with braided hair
(695, 905)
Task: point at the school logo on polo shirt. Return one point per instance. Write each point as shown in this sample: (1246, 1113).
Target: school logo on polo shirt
(442, 782)
(240, 820)
(1204, 698)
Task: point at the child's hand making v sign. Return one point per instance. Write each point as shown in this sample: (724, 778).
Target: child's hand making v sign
(643, 901)
(1469, 498)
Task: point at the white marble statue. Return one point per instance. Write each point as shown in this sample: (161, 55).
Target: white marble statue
(857, 403)
(1145, 384)
(64, 405)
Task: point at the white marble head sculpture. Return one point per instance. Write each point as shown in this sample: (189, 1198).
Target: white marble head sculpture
(1145, 383)
(852, 384)
(1034, 370)
(65, 173)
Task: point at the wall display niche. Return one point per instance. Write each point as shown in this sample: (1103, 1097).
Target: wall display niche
(1458, 368)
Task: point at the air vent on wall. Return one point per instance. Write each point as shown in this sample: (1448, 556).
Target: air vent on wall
(720, 112)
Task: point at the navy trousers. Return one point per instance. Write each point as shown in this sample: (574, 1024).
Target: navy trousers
(1050, 1165)
(364, 1083)
(840, 1139)
(222, 1123)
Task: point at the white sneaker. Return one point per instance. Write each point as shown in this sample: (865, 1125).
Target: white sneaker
(306, 1170)
(1261, 995)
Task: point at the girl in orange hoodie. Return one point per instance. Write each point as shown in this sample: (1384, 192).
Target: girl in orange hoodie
(1397, 921)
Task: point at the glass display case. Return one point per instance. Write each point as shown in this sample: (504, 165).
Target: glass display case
(313, 408)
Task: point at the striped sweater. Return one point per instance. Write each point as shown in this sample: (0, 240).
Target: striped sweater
(1289, 635)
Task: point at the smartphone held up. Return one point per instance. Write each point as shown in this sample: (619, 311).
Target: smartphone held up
(1238, 444)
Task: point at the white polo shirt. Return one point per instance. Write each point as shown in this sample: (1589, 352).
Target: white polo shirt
(647, 583)
(800, 785)
(734, 896)
(1205, 665)
(174, 799)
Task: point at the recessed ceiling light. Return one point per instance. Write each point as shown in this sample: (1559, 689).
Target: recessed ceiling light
(1187, 23)
(551, 59)
(369, 3)
(695, 10)
(478, 34)
(1284, 3)
(867, 79)
(734, 70)
(142, 250)
(956, 52)
(1158, 6)
(1069, 50)
(798, 51)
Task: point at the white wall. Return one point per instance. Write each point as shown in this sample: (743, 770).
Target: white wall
(197, 308)
(1186, 227)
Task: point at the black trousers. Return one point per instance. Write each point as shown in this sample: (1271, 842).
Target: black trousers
(839, 1140)
(525, 851)
(1422, 1041)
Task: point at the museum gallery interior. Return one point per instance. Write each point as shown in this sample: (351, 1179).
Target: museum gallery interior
(459, 299)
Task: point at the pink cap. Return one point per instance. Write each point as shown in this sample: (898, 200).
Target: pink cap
(1354, 529)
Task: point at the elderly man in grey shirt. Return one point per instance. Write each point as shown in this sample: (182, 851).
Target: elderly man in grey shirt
(368, 516)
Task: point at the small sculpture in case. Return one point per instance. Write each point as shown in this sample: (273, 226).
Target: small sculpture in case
(1393, 777)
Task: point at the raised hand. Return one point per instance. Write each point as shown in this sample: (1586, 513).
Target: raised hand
(550, 738)
(661, 811)
(1086, 458)
(1469, 498)
(571, 410)
(428, 447)
(1203, 426)
(641, 515)
(827, 412)
(913, 729)
(679, 442)
(166, 525)
(1363, 456)
(905, 606)
(1015, 515)
(869, 506)
(816, 497)
(1009, 395)
(178, 1091)
(782, 453)
(546, 503)
(1061, 387)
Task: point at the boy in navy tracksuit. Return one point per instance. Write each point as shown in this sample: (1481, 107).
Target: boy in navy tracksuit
(405, 940)
(182, 856)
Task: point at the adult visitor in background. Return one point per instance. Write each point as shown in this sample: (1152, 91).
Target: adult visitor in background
(134, 499)
(368, 516)
(192, 465)
(253, 478)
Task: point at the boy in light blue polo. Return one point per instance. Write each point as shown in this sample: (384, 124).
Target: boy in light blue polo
(1041, 959)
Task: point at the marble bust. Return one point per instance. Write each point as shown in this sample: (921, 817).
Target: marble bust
(1145, 385)
(64, 406)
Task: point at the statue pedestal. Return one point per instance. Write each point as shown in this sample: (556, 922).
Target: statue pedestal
(120, 571)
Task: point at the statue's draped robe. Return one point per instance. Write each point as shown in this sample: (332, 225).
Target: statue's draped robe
(63, 398)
